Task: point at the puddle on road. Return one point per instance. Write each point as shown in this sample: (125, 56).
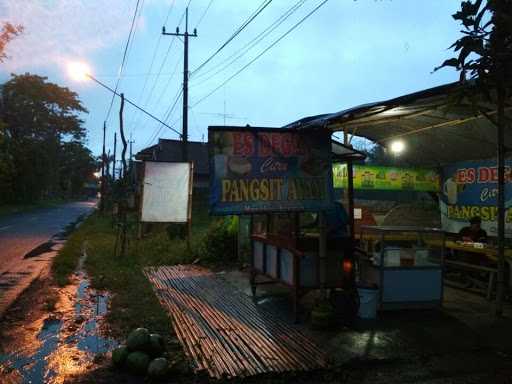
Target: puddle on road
(67, 343)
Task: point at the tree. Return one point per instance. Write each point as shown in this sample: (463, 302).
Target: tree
(484, 52)
(77, 166)
(485, 58)
(38, 117)
(7, 33)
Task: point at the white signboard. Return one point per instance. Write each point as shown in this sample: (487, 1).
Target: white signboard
(166, 192)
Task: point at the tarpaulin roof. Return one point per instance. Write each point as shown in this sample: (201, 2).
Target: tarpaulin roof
(342, 152)
(434, 128)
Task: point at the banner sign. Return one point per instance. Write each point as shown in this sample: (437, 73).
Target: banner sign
(387, 178)
(166, 192)
(269, 170)
(470, 189)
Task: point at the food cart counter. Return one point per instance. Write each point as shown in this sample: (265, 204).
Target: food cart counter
(406, 263)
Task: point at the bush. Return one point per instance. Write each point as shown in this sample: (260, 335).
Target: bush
(177, 231)
(219, 243)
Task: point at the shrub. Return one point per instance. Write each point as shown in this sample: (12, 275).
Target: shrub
(219, 243)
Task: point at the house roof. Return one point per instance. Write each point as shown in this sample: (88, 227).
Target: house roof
(435, 129)
(170, 150)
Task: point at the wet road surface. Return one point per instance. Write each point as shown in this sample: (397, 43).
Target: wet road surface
(20, 233)
(25, 249)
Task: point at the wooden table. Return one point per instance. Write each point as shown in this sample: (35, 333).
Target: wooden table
(489, 252)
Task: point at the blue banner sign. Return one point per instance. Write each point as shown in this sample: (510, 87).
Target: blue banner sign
(470, 189)
(255, 170)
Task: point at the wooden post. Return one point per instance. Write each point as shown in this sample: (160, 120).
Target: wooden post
(350, 187)
(350, 198)
(122, 201)
(501, 93)
(322, 253)
(190, 194)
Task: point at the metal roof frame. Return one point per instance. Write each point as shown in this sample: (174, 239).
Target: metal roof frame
(435, 128)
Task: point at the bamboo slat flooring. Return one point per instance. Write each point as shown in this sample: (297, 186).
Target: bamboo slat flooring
(223, 332)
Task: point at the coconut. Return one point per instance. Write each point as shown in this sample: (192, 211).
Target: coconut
(119, 355)
(157, 345)
(158, 368)
(138, 340)
(137, 362)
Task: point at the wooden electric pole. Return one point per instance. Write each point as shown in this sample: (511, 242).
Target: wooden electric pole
(185, 36)
(123, 138)
(102, 190)
(114, 162)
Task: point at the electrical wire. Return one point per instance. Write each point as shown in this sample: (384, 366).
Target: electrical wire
(164, 61)
(125, 53)
(136, 118)
(247, 47)
(156, 49)
(167, 114)
(255, 14)
(204, 14)
(261, 53)
(133, 104)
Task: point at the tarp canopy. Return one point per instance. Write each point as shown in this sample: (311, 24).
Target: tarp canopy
(435, 128)
(342, 152)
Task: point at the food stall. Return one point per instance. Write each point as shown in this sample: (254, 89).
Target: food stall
(282, 178)
(406, 263)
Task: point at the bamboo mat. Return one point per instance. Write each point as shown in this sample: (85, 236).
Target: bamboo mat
(223, 332)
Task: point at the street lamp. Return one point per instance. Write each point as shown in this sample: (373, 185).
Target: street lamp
(397, 147)
(78, 71)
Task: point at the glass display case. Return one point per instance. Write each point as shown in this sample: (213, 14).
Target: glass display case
(405, 263)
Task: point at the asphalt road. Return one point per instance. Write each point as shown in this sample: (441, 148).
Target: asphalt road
(22, 232)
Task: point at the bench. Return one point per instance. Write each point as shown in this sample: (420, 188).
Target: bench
(472, 267)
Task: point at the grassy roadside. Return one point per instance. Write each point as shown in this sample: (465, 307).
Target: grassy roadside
(133, 303)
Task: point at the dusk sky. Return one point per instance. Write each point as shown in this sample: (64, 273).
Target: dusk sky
(347, 53)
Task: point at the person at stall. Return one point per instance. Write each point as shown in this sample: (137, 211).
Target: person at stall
(336, 221)
(474, 232)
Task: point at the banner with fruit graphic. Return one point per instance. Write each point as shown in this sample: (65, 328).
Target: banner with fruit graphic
(387, 178)
(256, 170)
(470, 188)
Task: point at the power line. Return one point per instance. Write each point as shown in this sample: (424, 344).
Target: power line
(204, 14)
(171, 43)
(251, 44)
(262, 53)
(166, 86)
(133, 104)
(134, 75)
(260, 9)
(167, 114)
(124, 57)
(157, 132)
(135, 119)
(156, 50)
(185, 36)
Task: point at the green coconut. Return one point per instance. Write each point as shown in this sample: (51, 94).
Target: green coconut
(138, 340)
(157, 344)
(137, 362)
(158, 368)
(119, 355)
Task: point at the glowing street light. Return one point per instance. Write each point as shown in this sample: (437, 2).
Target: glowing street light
(397, 147)
(78, 71)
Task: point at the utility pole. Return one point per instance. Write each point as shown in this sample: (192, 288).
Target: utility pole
(123, 138)
(186, 35)
(108, 163)
(131, 153)
(102, 190)
(114, 162)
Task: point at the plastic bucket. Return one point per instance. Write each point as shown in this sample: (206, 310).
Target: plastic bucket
(367, 302)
